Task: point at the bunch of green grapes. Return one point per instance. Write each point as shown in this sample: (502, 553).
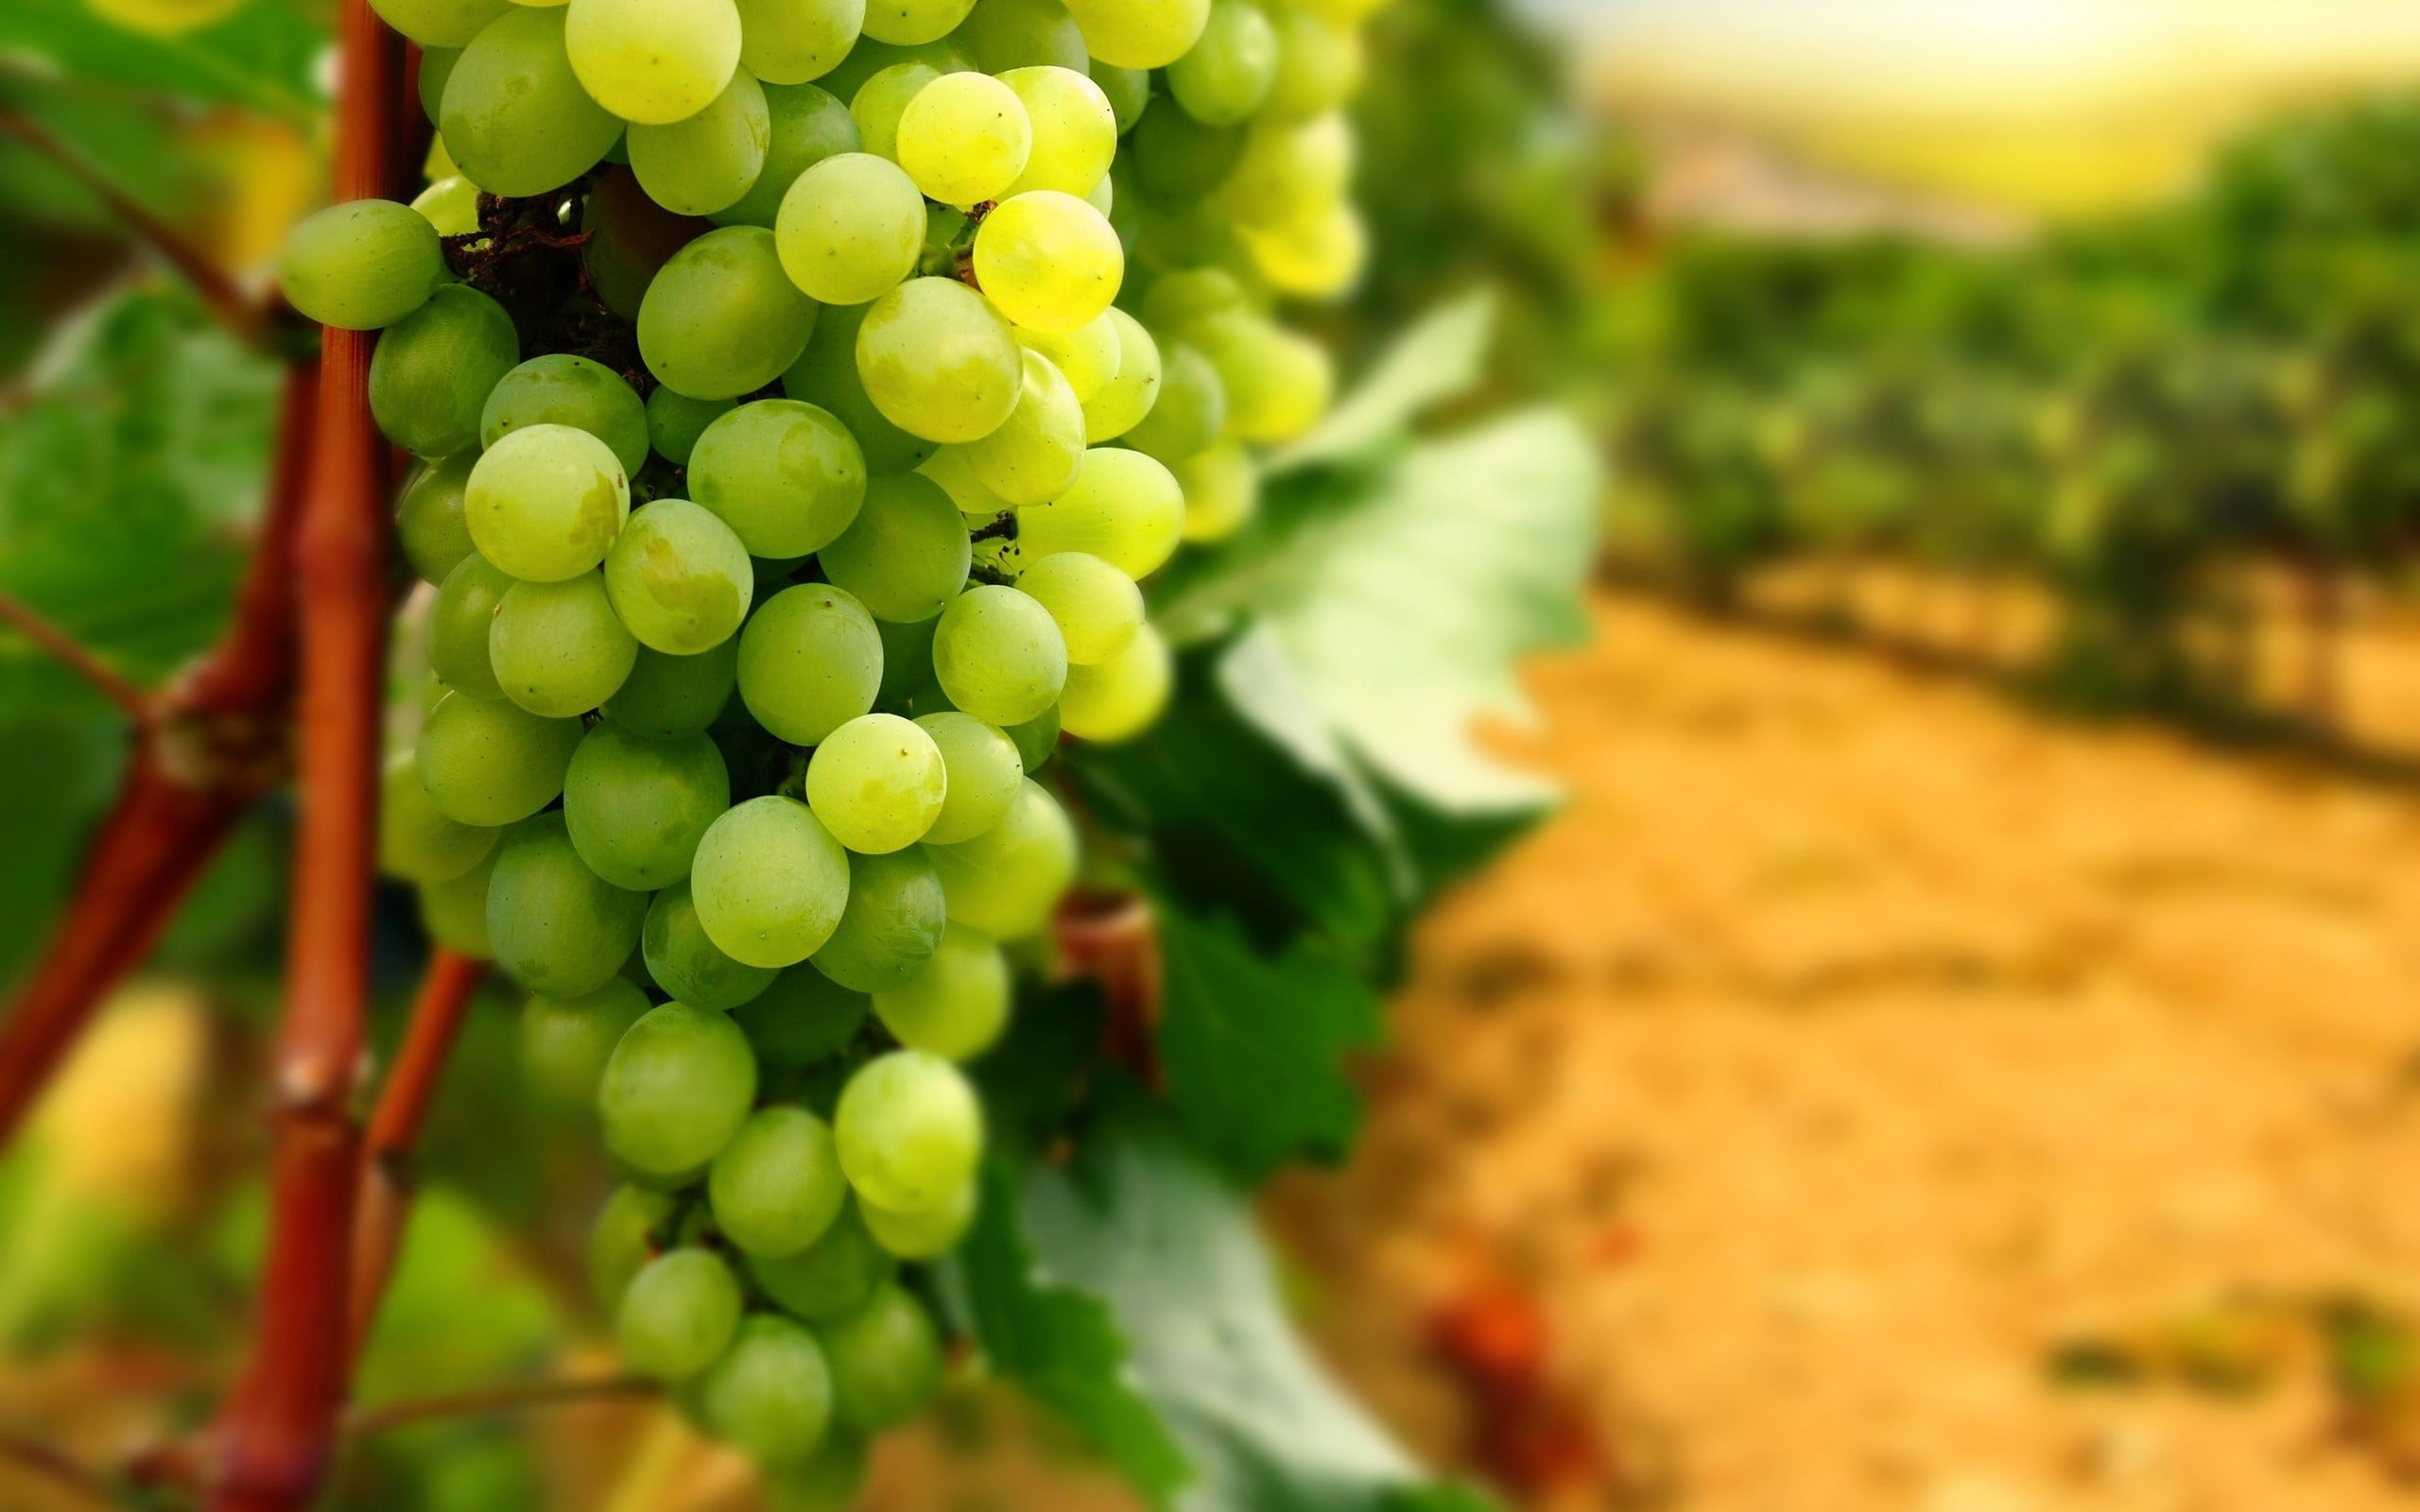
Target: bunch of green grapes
(801, 391)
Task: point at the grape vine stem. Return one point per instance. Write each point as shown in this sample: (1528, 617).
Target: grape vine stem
(512, 1396)
(79, 659)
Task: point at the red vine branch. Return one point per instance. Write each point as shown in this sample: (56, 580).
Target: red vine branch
(77, 658)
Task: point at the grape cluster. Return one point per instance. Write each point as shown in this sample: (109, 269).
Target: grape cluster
(801, 390)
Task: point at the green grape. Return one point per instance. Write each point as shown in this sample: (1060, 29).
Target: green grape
(803, 1018)
(877, 784)
(909, 1131)
(561, 390)
(1133, 390)
(436, 67)
(439, 23)
(679, 577)
(454, 912)
(545, 502)
(723, 320)
(954, 470)
(851, 226)
(832, 1278)
(786, 477)
(1222, 492)
(687, 964)
(1278, 382)
(1036, 740)
(905, 555)
(557, 927)
(1229, 72)
(1003, 35)
(790, 42)
(362, 265)
(881, 101)
(1176, 160)
(891, 926)
(869, 58)
(1127, 90)
(451, 204)
(674, 423)
(1049, 260)
(984, 772)
(923, 1235)
(415, 842)
(827, 378)
(654, 62)
(1034, 455)
(938, 360)
(955, 1008)
(809, 661)
(1095, 607)
(567, 1041)
(630, 239)
(1318, 64)
(1075, 130)
(636, 807)
(706, 162)
(1125, 509)
(667, 696)
(490, 763)
(964, 138)
(769, 882)
(998, 655)
(808, 127)
(429, 519)
(1087, 357)
(558, 648)
(434, 368)
(1192, 236)
(1140, 33)
(885, 1359)
(678, 1313)
(1316, 256)
(830, 1480)
(1288, 168)
(777, 1186)
(1006, 880)
(1178, 299)
(621, 1241)
(1120, 698)
(905, 23)
(514, 116)
(1192, 411)
(679, 1083)
(906, 661)
(770, 1394)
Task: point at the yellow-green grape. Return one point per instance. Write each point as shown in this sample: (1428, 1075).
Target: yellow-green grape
(1278, 381)
(435, 368)
(938, 360)
(545, 500)
(667, 696)
(1140, 33)
(679, 577)
(907, 552)
(769, 1395)
(1098, 607)
(974, 499)
(1087, 357)
(910, 1131)
(451, 204)
(810, 660)
(454, 912)
(558, 648)
(1319, 64)
(998, 655)
(1129, 91)
(1075, 130)
(362, 265)
(1288, 169)
(1222, 492)
(674, 423)
(850, 228)
(1192, 408)
(1005, 34)
(1177, 299)
(964, 138)
(1034, 456)
(768, 883)
(827, 377)
(1134, 387)
(869, 58)
(1119, 698)
(415, 842)
(459, 619)
(654, 62)
(953, 1008)
(923, 1235)
(721, 319)
(905, 23)
(515, 117)
(488, 762)
(983, 774)
(877, 784)
(786, 476)
(1125, 508)
(436, 67)
(1317, 255)
(1173, 161)
(881, 101)
(1230, 71)
(561, 390)
(1006, 880)
(1049, 260)
(790, 41)
(435, 23)
(809, 126)
(705, 161)
(428, 517)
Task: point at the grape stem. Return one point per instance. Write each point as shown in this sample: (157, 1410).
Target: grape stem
(79, 659)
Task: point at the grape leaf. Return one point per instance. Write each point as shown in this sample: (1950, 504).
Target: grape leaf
(265, 56)
(1440, 357)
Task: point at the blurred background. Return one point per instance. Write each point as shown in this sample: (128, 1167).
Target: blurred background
(1954, 1051)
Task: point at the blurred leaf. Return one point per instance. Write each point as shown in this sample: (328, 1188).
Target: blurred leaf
(1442, 356)
(265, 56)
(57, 772)
(1060, 1345)
(462, 1309)
(1033, 1080)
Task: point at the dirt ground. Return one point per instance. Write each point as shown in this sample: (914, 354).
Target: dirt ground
(1852, 1041)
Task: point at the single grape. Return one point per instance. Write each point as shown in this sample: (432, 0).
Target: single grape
(769, 882)
(455, 911)
(832, 1278)
(439, 23)
(630, 239)
(1173, 161)
(434, 369)
(1318, 64)
(803, 1018)
(515, 117)
(543, 502)
(1316, 256)
(1288, 168)
(428, 517)
(1133, 387)
(905, 23)
(687, 964)
(937, 361)
(654, 62)
(1095, 607)
(1006, 880)
(451, 204)
(636, 807)
(1075, 130)
(827, 377)
(1179, 299)
(362, 265)
(830, 1480)
(1034, 455)
(1127, 90)
(706, 162)
(558, 648)
(1229, 72)
(1125, 509)
(1049, 260)
(561, 390)
(436, 67)
(964, 138)
(721, 319)
(490, 763)
(790, 42)
(1140, 33)
(951, 468)
(852, 227)
(984, 773)
(1011, 34)
(1192, 411)
(909, 1131)
(881, 101)
(567, 1041)
(415, 842)
(786, 477)
(999, 655)
(809, 663)
(459, 619)
(907, 552)
(891, 926)
(1088, 357)
(923, 1235)
(885, 1359)
(770, 1394)
(777, 1186)
(678, 1313)
(1278, 382)
(679, 1085)
(877, 785)
(674, 423)
(679, 579)
(622, 1240)
(1120, 698)
(667, 696)
(1222, 492)
(557, 927)
(808, 127)
(956, 1006)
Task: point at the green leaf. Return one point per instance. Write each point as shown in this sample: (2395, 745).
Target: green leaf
(1146, 1225)
(263, 56)
(1060, 1345)
(1442, 356)
(1254, 1045)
